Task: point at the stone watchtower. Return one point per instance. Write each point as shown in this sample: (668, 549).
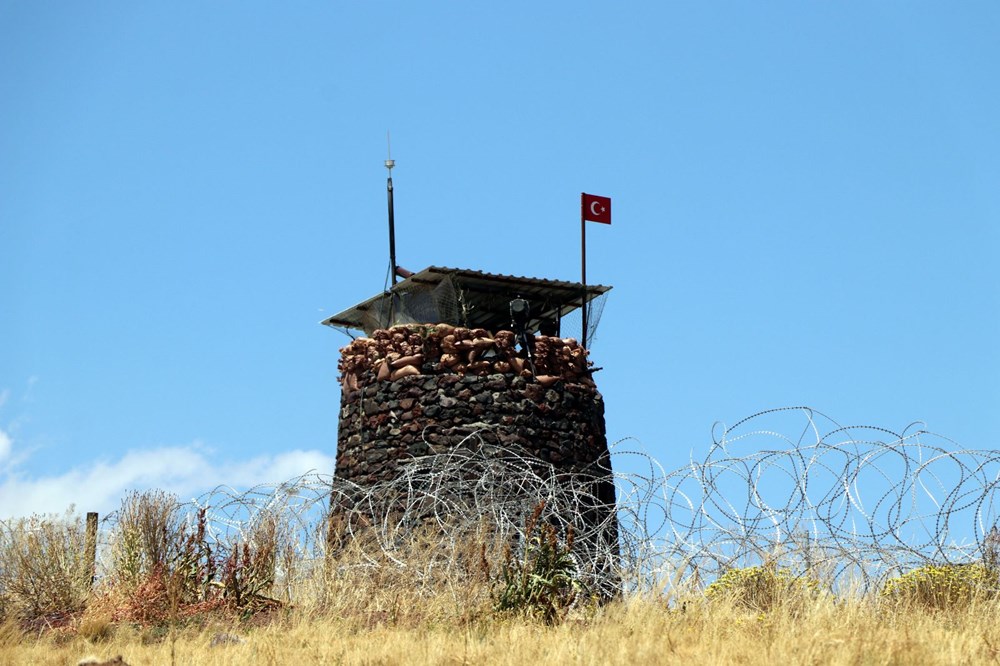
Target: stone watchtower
(450, 351)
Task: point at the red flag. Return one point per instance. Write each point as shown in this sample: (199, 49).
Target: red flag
(595, 208)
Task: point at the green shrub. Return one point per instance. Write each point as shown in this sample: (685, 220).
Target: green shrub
(943, 586)
(164, 570)
(543, 581)
(148, 538)
(248, 572)
(762, 588)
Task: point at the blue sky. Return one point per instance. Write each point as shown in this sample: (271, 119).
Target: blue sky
(805, 200)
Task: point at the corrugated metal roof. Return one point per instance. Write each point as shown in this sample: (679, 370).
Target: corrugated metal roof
(485, 294)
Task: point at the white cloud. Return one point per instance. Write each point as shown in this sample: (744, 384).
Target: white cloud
(187, 471)
(5, 446)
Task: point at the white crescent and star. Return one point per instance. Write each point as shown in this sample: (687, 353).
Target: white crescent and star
(593, 208)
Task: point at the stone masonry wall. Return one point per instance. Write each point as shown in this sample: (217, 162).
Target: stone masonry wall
(418, 390)
(386, 423)
(414, 390)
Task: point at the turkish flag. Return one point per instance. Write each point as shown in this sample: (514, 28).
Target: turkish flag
(595, 208)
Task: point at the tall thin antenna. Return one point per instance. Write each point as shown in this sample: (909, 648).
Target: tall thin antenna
(389, 163)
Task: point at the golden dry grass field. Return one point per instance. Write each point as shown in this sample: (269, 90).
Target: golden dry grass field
(629, 632)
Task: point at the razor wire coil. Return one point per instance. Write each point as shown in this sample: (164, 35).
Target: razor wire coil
(858, 503)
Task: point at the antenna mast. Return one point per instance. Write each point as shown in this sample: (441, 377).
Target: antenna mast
(389, 163)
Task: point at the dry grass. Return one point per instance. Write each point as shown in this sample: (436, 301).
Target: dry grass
(633, 631)
(172, 597)
(43, 569)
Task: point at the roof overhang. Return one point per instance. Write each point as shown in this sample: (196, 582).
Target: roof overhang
(484, 299)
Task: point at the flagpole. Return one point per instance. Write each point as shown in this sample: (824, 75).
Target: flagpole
(583, 271)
